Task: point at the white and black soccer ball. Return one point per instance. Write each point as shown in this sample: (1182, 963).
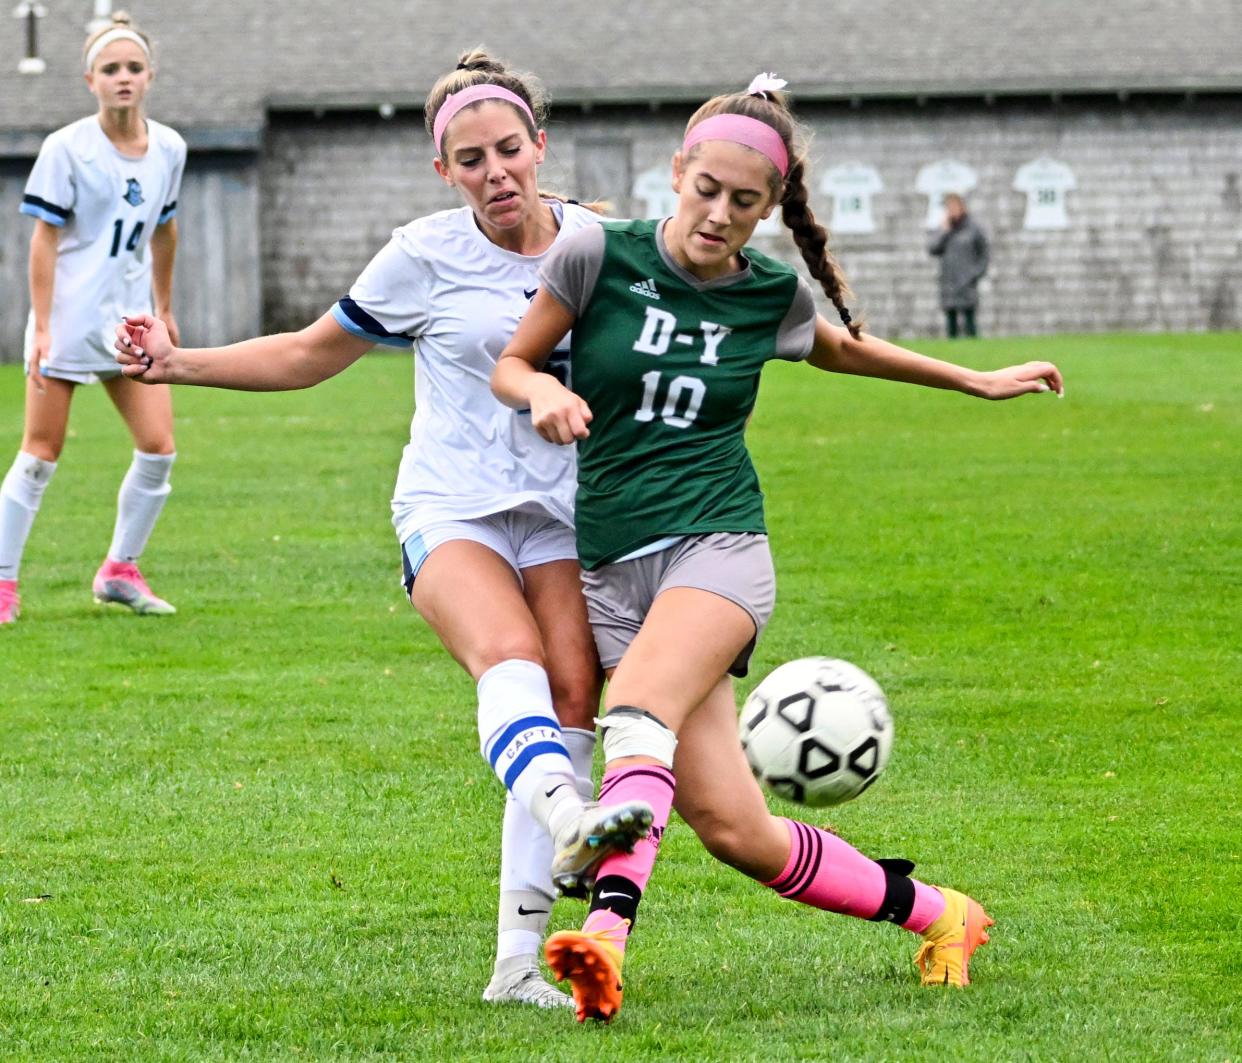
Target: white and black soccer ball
(817, 731)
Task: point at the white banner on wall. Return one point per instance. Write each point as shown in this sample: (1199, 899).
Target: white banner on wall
(1045, 182)
(851, 186)
(653, 189)
(937, 179)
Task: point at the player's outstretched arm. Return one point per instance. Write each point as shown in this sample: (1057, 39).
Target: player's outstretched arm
(284, 362)
(557, 413)
(836, 351)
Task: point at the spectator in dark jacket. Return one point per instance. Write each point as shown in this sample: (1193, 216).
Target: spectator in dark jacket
(962, 248)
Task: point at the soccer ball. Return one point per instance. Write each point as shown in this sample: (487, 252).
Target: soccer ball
(817, 731)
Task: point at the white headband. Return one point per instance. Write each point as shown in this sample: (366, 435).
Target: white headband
(120, 33)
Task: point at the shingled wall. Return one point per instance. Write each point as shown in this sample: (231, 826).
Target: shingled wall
(1155, 225)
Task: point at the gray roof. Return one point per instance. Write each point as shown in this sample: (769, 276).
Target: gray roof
(225, 64)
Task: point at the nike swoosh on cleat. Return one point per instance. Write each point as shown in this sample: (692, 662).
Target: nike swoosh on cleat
(532, 911)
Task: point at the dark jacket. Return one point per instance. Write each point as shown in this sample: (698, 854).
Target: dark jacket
(963, 253)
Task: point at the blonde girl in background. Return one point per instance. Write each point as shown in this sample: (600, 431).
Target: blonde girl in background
(103, 194)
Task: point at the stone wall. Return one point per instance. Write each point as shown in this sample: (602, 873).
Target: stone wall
(1154, 236)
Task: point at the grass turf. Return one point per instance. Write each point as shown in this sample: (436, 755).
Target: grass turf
(261, 829)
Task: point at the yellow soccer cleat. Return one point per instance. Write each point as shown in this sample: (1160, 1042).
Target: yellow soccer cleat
(592, 963)
(951, 940)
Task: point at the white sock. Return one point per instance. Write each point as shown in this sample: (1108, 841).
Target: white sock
(526, 889)
(521, 739)
(581, 746)
(143, 493)
(20, 496)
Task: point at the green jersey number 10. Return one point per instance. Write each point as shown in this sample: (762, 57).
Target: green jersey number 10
(686, 392)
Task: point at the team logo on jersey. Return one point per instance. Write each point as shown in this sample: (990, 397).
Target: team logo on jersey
(646, 288)
(133, 192)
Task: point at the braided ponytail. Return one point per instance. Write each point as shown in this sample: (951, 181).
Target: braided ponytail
(812, 241)
(769, 105)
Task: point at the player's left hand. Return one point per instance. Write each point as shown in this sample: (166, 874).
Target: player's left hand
(1030, 378)
(144, 350)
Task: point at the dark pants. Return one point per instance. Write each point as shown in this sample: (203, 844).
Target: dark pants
(968, 321)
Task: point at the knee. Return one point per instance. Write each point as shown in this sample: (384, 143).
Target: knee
(42, 447)
(160, 443)
(497, 653)
(576, 697)
(729, 839)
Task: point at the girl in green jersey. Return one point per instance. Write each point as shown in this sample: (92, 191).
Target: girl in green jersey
(671, 323)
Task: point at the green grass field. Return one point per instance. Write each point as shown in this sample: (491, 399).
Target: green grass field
(261, 829)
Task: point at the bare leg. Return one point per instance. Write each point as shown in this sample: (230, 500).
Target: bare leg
(47, 417)
(554, 595)
(498, 630)
(43, 437)
(718, 796)
(147, 412)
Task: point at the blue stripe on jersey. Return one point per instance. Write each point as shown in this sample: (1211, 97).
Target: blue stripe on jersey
(530, 753)
(353, 319)
(41, 208)
(169, 211)
(516, 728)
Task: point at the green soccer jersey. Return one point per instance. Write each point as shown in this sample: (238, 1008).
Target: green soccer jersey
(669, 365)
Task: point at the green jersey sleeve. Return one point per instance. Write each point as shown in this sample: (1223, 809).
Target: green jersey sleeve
(796, 334)
(569, 274)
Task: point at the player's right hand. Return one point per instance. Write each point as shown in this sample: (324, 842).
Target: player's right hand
(557, 413)
(39, 351)
(144, 348)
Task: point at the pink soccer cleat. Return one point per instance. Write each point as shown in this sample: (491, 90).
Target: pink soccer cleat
(121, 582)
(10, 601)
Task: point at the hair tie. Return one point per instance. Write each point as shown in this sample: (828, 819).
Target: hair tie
(463, 66)
(455, 101)
(845, 316)
(762, 84)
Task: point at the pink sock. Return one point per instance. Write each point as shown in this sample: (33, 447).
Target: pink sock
(826, 872)
(607, 922)
(622, 877)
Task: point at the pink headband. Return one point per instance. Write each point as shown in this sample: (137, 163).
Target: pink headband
(455, 101)
(749, 132)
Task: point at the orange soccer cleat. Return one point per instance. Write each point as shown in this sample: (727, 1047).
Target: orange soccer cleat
(591, 960)
(949, 942)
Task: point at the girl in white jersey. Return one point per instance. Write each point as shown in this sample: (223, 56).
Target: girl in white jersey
(483, 505)
(103, 194)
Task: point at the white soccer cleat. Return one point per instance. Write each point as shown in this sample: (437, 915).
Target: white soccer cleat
(122, 583)
(525, 987)
(600, 831)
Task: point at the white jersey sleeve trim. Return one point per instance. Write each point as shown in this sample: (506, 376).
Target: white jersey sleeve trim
(357, 322)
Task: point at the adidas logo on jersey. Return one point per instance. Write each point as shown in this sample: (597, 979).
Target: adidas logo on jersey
(646, 288)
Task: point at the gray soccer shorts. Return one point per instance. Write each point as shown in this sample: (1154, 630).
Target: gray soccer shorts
(734, 565)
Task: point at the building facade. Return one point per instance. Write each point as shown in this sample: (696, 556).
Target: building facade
(1103, 160)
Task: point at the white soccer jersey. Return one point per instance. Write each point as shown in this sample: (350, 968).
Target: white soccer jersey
(108, 206)
(441, 287)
